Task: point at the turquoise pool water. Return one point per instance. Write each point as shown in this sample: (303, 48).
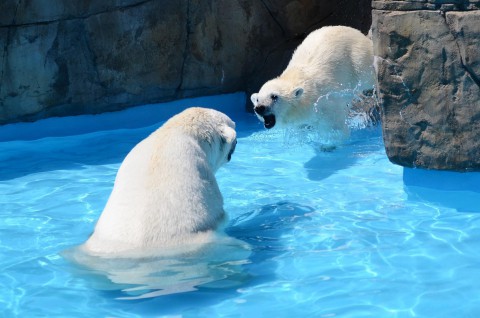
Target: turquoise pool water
(328, 234)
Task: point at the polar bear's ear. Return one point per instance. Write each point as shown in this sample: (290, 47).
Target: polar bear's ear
(298, 92)
(228, 133)
(254, 98)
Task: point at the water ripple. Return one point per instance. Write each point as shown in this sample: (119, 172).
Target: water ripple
(342, 233)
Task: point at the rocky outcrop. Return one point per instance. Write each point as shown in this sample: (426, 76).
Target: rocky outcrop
(62, 57)
(428, 66)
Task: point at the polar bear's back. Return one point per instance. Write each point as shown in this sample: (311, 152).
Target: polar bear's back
(166, 196)
(334, 51)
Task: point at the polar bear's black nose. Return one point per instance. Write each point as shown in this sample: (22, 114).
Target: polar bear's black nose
(260, 109)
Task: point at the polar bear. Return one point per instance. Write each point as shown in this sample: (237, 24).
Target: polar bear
(326, 71)
(165, 193)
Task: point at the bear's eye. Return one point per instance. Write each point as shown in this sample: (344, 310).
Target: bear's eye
(274, 97)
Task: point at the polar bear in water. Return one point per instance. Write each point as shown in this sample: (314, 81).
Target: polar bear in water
(165, 192)
(326, 71)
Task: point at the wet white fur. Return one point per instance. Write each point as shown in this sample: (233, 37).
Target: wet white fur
(165, 192)
(326, 70)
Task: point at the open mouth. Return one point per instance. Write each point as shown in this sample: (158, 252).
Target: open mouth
(269, 121)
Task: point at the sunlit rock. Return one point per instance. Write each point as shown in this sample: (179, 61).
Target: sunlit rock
(428, 69)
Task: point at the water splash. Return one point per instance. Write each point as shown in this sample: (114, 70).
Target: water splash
(363, 106)
(325, 140)
(223, 77)
(365, 111)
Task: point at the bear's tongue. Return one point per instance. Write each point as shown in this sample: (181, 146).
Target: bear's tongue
(269, 121)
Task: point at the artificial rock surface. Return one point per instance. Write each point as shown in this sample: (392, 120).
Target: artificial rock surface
(428, 70)
(63, 57)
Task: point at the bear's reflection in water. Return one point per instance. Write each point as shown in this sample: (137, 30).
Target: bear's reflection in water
(212, 265)
(244, 256)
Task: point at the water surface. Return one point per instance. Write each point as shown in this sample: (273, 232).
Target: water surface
(314, 234)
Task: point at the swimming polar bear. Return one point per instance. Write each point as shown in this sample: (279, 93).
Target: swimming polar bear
(165, 192)
(326, 71)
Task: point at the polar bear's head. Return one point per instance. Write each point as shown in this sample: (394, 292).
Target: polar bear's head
(223, 141)
(213, 130)
(277, 102)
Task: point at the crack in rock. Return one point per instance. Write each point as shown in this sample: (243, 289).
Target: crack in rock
(185, 51)
(475, 78)
(84, 16)
(5, 47)
(272, 15)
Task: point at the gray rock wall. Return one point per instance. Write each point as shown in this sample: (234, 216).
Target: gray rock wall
(64, 57)
(428, 65)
